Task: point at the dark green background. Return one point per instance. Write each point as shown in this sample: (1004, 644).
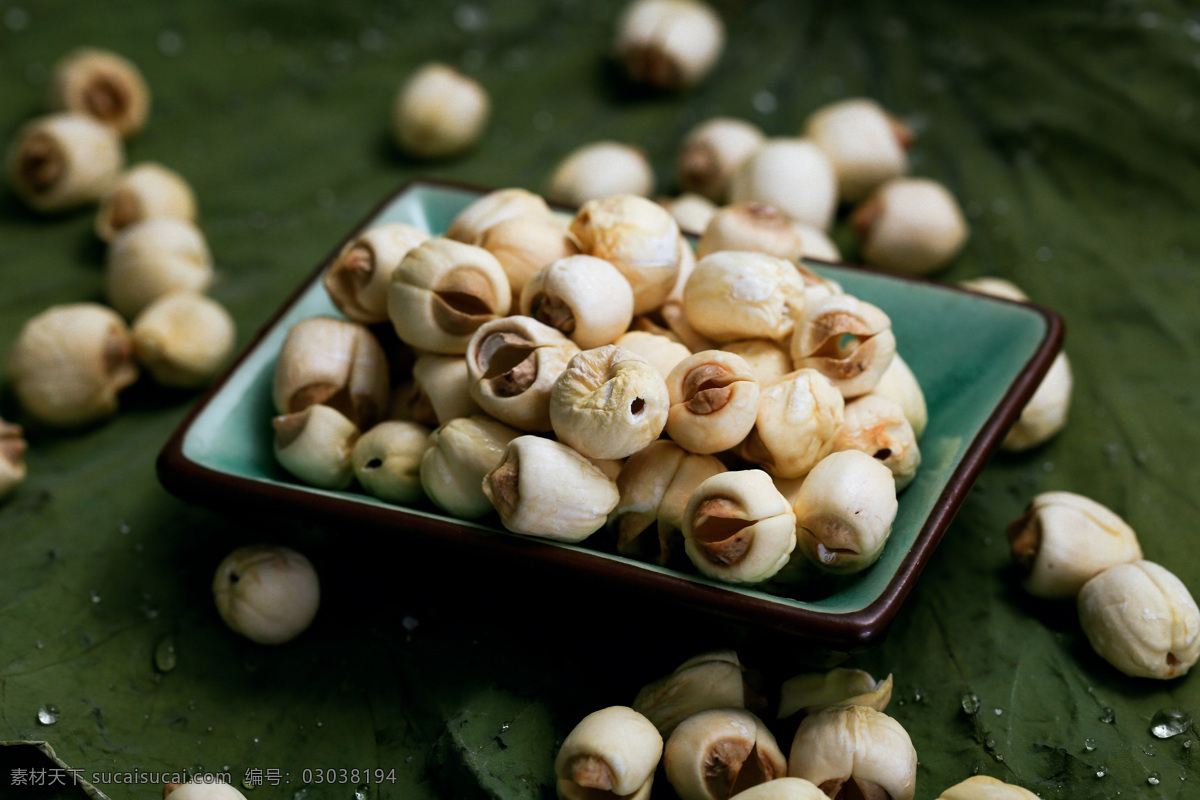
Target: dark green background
(1067, 130)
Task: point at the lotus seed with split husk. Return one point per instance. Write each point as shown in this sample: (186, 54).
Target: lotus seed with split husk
(612, 752)
(105, 86)
(144, 191)
(715, 754)
(64, 160)
(358, 279)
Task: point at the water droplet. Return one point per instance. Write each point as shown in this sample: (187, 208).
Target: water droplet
(256, 740)
(16, 19)
(320, 724)
(151, 613)
(362, 792)
(1108, 716)
(170, 43)
(1170, 722)
(999, 712)
(191, 705)
(300, 794)
(1187, 743)
(209, 729)
(990, 743)
(40, 644)
(1089, 745)
(164, 655)
(410, 623)
(94, 595)
(970, 703)
(123, 527)
(765, 102)
(1153, 779)
(47, 714)
(408, 759)
(918, 695)
(1101, 772)
(1148, 749)
(504, 727)
(470, 18)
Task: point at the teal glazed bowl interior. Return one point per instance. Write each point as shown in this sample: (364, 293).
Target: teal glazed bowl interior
(978, 359)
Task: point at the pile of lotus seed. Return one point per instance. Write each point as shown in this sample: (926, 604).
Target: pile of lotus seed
(69, 362)
(702, 723)
(790, 418)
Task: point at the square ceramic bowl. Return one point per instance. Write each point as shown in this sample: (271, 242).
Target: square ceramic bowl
(977, 358)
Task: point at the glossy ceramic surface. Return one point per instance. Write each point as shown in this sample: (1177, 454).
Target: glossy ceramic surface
(977, 358)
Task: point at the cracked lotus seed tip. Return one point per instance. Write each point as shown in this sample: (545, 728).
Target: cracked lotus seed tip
(1065, 539)
(738, 527)
(105, 86)
(615, 750)
(443, 291)
(717, 753)
(357, 280)
(332, 362)
(267, 593)
(439, 112)
(144, 191)
(64, 160)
